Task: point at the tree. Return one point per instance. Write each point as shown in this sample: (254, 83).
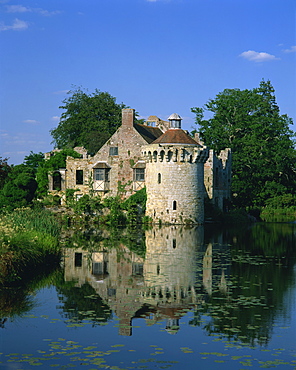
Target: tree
(89, 120)
(19, 188)
(264, 156)
(33, 160)
(4, 171)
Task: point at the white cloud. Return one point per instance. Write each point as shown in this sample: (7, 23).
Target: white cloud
(255, 56)
(55, 118)
(24, 9)
(17, 9)
(31, 121)
(17, 25)
(60, 92)
(291, 50)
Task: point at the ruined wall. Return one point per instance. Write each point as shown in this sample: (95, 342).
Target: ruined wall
(217, 177)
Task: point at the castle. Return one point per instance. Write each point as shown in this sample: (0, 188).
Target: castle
(179, 172)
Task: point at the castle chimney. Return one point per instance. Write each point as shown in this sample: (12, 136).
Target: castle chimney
(128, 117)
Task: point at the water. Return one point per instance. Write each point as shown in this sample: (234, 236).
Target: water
(167, 298)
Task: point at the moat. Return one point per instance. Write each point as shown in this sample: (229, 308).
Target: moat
(164, 298)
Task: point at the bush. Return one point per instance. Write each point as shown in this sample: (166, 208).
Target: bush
(88, 205)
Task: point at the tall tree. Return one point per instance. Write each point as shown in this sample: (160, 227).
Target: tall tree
(34, 160)
(264, 156)
(89, 120)
(4, 170)
(19, 188)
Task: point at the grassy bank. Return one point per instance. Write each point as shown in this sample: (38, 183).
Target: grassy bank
(278, 214)
(28, 240)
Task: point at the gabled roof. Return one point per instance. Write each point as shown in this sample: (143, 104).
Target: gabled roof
(175, 136)
(148, 133)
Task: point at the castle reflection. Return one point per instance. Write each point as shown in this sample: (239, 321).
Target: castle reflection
(176, 275)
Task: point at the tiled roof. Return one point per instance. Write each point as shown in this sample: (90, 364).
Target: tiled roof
(148, 133)
(175, 136)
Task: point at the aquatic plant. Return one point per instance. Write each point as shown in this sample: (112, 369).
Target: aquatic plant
(29, 238)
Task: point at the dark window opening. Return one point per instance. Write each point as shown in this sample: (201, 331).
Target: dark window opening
(56, 181)
(139, 174)
(100, 268)
(174, 205)
(174, 243)
(137, 269)
(78, 260)
(216, 180)
(79, 177)
(159, 178)
(111, 292)
(101, 174)
(113, 150)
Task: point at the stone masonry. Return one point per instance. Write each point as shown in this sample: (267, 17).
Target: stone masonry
(177, 170)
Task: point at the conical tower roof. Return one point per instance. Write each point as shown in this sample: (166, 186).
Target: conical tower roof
(175, 136)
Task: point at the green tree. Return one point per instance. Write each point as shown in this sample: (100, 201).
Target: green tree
(88, 120)
(34, 160)
(19, 188)
(4, 171)
(264, 156)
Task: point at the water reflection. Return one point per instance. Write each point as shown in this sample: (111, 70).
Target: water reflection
(232, 283)
(172, 278)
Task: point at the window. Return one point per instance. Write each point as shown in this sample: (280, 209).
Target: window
(174, 205)
(159, 178)
(113, 150)
(174, 243)
(101, 174)
(79, 177)
(139, 174)
(175, 123)
(137, 269)
(78, 260)
(100, 268)
(56, 181)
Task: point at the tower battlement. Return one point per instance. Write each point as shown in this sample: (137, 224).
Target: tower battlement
(175, 153)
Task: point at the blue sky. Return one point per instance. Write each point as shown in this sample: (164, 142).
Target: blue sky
(156, 56)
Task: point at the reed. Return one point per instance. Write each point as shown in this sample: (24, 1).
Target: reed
(28, 238)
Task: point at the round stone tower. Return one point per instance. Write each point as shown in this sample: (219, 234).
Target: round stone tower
(175, 176)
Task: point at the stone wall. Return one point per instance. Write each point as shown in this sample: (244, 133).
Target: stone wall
(121, 154)
(217, 177)
(174, 183)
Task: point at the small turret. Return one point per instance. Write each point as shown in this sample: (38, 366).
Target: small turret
(175, 120)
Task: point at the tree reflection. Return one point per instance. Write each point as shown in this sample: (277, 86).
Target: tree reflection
(17, 300)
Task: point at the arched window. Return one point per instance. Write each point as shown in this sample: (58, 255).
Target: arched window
(159, 178)
(174, 205)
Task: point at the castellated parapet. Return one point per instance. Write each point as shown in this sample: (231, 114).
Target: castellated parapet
(175, 182)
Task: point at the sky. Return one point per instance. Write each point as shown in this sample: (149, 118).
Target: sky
(156, 56)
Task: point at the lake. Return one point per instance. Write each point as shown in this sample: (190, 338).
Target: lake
(169, 297)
